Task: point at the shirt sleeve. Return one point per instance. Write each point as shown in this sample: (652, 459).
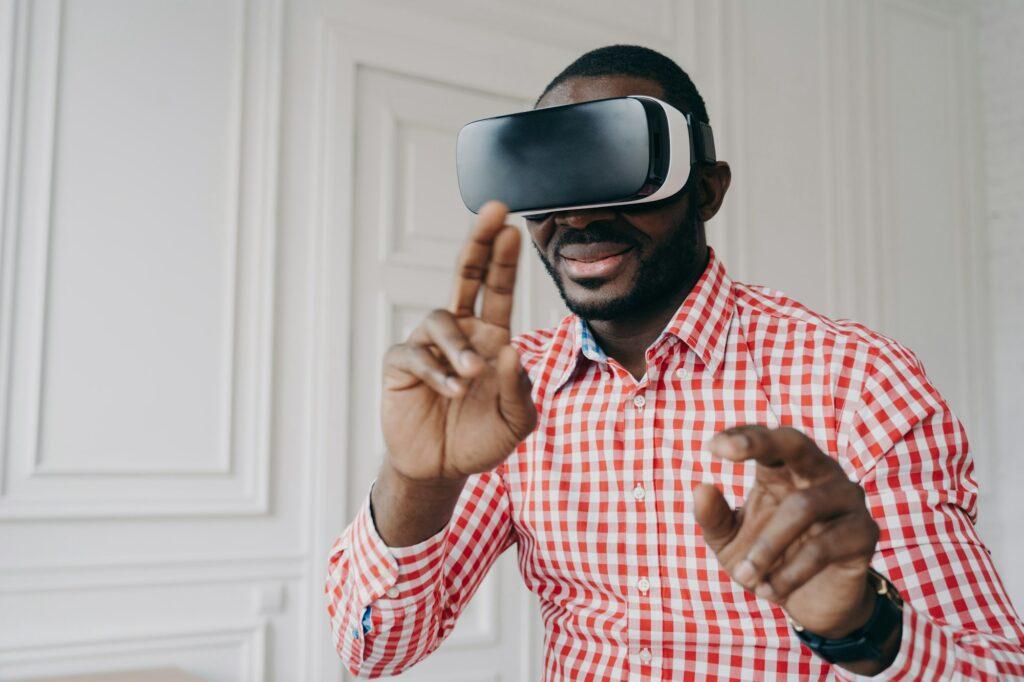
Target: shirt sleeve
(392, 606)
(958, 622)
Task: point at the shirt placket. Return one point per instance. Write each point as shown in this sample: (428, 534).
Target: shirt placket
(639, 403)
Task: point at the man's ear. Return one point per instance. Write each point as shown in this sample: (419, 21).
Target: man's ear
(713, 183)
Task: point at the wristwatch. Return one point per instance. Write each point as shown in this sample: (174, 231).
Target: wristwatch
(867, 642)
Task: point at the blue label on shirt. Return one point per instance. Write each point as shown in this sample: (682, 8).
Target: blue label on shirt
(366, 620)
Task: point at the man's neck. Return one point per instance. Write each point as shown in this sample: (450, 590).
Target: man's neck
(627, 338)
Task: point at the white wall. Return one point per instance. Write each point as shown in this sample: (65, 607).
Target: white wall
(152, 485)
(1001, 46)
(215, 215)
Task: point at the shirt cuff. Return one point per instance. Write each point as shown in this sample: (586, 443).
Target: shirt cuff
(926, 652)
(391, 577)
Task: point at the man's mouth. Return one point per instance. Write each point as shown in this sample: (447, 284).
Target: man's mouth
(597, 259)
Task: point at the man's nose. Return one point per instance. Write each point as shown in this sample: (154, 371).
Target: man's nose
(579, 219)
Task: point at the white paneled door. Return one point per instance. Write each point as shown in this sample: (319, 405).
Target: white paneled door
(410, 221)
(216, 215)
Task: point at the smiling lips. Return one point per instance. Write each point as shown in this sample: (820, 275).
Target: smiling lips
(598, 259)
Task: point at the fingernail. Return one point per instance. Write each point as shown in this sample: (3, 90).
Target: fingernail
(453, 384)
(765, 591)
(718, 441)
(728, 444)
(745, 573)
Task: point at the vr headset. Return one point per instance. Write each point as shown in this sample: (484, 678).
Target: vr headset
(610, 152)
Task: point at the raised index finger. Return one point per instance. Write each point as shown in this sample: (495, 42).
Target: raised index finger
(774, 448)
(475, 257)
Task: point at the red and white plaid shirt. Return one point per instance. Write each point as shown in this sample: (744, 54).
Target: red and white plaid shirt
(598, 503)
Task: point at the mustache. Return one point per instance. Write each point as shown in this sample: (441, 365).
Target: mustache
(594, 232)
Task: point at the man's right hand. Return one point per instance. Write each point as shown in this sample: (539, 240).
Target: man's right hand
(456, 400)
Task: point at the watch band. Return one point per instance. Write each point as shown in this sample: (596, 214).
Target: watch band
(867, 642)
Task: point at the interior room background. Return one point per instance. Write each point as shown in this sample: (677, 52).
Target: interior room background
(215, 215)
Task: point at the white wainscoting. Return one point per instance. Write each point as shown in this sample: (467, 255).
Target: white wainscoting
(141, 166)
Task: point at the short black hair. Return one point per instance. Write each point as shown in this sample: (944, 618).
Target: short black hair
(642, 62)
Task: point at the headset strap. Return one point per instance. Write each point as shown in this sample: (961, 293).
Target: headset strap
(703, 141)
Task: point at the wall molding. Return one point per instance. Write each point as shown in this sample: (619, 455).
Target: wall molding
(246, 641)
(236, 479)
(150, 572)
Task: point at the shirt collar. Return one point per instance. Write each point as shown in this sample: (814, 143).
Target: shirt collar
(701, 322)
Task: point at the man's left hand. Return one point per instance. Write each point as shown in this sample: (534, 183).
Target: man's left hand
(803, 539)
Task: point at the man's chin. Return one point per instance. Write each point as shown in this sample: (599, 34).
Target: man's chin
(597, 306)
(598, 298)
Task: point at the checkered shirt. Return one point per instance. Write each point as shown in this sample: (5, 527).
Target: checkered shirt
(598, 503)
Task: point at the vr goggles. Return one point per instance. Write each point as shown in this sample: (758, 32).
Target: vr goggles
(610, 152)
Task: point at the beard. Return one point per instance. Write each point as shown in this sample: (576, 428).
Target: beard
(673, 265)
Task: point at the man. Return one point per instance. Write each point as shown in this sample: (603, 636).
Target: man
(703, 478)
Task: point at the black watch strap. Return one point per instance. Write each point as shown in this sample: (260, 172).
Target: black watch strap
(867, 642)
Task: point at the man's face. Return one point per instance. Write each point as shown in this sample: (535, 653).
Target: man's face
(608, 262)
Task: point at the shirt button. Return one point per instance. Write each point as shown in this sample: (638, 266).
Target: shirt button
(643, 585)
(639, 493)
(639, 401)
(392, 592)
(645, 655)
(680, 372)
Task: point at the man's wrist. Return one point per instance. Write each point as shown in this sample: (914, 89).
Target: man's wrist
(406, 512)
(872, 647)
(860, 617)
(420, 489)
